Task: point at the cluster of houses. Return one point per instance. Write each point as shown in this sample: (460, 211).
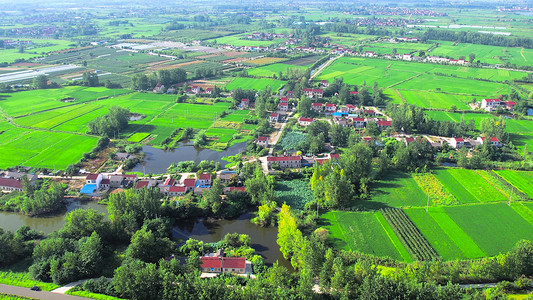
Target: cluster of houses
(12, 181)
(218, 263)
(97, 183)
(459, 142)
(267, 36)
(495, 104)
(12, 43)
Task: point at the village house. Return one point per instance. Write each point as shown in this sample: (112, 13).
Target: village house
(274, 117)
(158, 88)
(169, 182)
(358, 122)
(9, 185)
(189, 183)
(490, 104)
(262, 141)
(174, 191)
(330, 107)
(115, 180)
(19, 175)
(94, 179)
(226, 176)
(122, 156)
(494, 141)
(384, 124)
(324, 83)
(143, 184)
(223, 264)
(457, 142)
(319, 93)
(369, 112)
(317, 107)
(285, 161)
(204, 179)
(245, 103)
(283, 106)
(129, 179)
(305, 121)
(341, 121)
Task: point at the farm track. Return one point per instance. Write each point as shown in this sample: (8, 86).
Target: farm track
(397, 83)
(399, 94)
(324, 66)
(522, 53)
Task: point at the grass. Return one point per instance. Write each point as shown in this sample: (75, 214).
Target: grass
(522, 180)
(255, 84)
(13, 297)
(396, 190)
(91, 295)
(18, 275)
(363, 231)
(495, 228)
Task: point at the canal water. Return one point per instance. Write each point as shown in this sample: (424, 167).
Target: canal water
(263, 239)
(47, 224)
(157, 161)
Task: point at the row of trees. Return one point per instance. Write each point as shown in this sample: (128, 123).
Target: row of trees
(165, 77)
(476, 38)
(35, 199)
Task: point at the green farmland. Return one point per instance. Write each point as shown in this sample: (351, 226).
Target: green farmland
(521, 180)
(52, 133)
(350, 231)
(254, 84)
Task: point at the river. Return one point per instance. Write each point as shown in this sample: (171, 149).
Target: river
(47, 224)
(263, 239)
(157, 161)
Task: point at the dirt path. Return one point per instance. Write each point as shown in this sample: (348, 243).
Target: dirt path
(399, 94)
(522, 53)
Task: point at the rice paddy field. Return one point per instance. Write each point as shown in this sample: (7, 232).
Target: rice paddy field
(273, 69)
(396, 190)
(522, 180)
(52, 133)
(422, 77)
(254, 84)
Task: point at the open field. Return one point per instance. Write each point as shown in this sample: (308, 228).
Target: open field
(265, 60)
(21, 103)
(468, 187)
(419, 76)
(273, 69)
(396, 190)
(40, 47)
(351, 231)
(304, 61)
(255, 84)
(240, 40)
(429, 99)
(494, 227)
(522, 180)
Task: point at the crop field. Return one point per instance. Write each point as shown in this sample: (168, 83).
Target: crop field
(40, 47)
(417, 245)
(522, 180)
(265, 60)
(485, 53)
(137, 137)
(304, 61)
(523, 210)
(429, 99)
(21, 103)
(437, 193)
(468, 186)
(396, 190)
(495, 228)
(254, 84)
(417, 76)
(269, 70)
(439, 240)
(42, 149)
(351, 231)
(295, 193)
(240, 40)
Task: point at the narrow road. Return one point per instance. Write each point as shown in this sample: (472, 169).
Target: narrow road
(26, 292)
(276, 138)
(324, 66)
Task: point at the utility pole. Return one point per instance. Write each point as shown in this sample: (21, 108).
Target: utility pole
(511, 196)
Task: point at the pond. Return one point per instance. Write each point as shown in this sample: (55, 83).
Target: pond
(47, 224)
(263, 239)
(157, 161)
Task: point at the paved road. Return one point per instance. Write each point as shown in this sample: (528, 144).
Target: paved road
(26, 292)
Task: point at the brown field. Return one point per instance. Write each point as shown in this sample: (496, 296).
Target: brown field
(232, 53)
(235, 60)
(266, 60)
(26, 64)
(207, 56)
(168, 67)
(158, 62)
(304, 61)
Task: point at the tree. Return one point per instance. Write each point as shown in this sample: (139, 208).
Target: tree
(82, 223)
(265, 215)
(339, 135)
(40, 82)
(90, 79)
(140, 82)
(212, 196)
(138, 280)
(472, 57)
(146, 246)
(90, 257)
